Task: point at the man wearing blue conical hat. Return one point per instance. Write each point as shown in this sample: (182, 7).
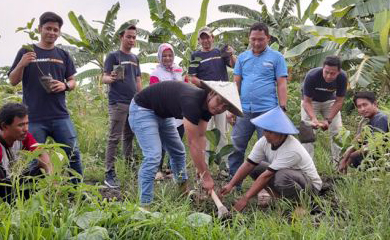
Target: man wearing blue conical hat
(278, 162)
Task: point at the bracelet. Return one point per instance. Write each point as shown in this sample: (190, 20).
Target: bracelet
(328, 120)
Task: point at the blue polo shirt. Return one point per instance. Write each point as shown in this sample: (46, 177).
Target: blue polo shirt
(258, 79)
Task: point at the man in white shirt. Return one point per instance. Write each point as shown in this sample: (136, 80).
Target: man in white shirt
(278, 162)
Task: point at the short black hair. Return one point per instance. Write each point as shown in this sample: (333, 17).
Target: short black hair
(50, 17)
(11, 110)
(333, 61)
(259, 26)
(131, 27)
(370, 96)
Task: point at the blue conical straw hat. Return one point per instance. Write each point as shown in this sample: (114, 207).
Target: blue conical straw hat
(275, 120)
(228, 91)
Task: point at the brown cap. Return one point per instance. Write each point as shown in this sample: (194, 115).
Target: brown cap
(205, 30)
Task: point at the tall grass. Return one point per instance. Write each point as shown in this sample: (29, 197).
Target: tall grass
(356, 208)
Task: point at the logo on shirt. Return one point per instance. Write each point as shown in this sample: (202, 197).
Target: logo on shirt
(129, 62)
(53, 60)
(268, 64)
(325, 89)
(209, 59)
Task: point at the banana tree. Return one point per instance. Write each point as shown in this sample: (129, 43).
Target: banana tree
(364, 45)
(279, 21)
(167, 29)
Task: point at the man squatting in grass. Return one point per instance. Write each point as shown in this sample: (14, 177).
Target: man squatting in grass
(377, 121)
(14, 137)
(152, 119)
(48, 115)
(277, 162)
(121, 92)
(211, 66)
(323, 91)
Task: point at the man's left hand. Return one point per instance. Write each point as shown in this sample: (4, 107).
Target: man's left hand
(241, 204)
(57, 86)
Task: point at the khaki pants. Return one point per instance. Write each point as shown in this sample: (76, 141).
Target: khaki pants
(119, 130)
(323, 109)
(219, 121)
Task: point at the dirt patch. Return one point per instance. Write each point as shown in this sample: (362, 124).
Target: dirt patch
(111, 194)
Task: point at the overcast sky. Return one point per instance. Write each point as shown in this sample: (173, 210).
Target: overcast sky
(16, 13)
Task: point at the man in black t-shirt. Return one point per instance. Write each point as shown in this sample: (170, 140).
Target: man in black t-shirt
(324, 89)
(123, 84)
(45, 97)
(367, 107)
(152, 119)
(211, 66)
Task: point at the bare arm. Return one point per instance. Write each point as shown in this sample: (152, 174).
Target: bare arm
(59, 86)
(282, 91)
(308, 106)
(16, 75)
(256, 187)
(109, 78)
(138, 83)
(196, 136)
(45, 163)
(241, 173)
(237, 79)
(194, 80)
(336, 107)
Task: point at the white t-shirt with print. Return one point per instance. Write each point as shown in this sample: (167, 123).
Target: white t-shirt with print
(291, 154)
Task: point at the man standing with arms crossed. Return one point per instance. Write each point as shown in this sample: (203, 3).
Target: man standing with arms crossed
(122, 87)
(212, 67)
(261, 77)
(47, 111)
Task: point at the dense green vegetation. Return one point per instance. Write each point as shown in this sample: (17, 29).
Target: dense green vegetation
(356, 206)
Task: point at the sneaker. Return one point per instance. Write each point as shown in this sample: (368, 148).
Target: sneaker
(111, 181)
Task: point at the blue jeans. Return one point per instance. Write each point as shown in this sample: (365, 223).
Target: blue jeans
(241, 134)
(153, 133)
(62, 131)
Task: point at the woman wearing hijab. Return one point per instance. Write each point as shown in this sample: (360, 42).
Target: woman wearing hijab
(167, 70)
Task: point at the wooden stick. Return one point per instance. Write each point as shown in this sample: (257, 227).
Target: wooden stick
(216, 199)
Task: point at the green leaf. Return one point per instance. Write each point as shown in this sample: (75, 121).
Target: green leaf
(109, 23)
(199, 24)
(30, 24)
(339, 13)
(199, 219)
(213, 136)
(369, 67)
(310, 10)
(88, 219)
(28, 47)
(240, 10)
(76, 24)
(90, 73)
(302, 47)
(382, 25)
(93, 233)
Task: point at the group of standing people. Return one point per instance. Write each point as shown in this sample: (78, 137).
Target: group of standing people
(160, 114)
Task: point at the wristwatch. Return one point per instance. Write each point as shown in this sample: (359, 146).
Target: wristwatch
(67, 87)
(283, 108)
